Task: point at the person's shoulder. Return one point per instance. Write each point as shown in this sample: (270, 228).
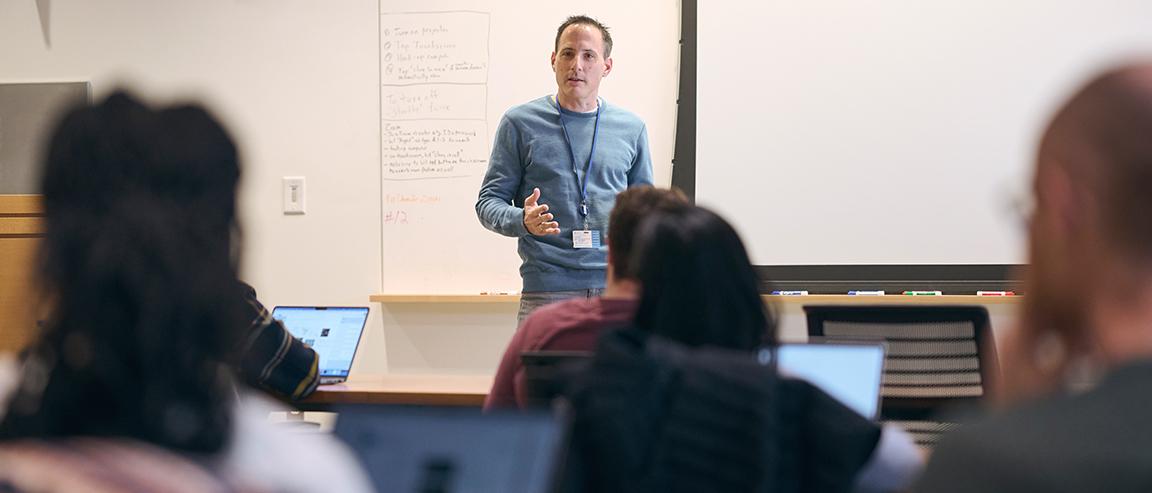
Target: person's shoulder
(1011, 431)
(1053, 423)
(622, 115)
(977, 457)
(550, 320)
(1016, 447)
(104, 464)
(279, 459)
(562, 311)
(531, 109)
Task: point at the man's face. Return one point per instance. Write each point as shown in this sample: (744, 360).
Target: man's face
(579, 62)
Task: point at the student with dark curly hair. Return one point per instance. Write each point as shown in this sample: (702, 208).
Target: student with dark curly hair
(145, 314)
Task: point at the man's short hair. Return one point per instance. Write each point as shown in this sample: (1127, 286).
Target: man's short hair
(632, 207)
(583, 20)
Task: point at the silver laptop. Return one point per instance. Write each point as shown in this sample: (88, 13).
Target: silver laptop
(849, 371)
(333, 331)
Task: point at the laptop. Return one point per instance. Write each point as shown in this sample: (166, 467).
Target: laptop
(849, 371)
(333, 331)
(439, 449)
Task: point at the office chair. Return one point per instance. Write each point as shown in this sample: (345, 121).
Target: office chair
(656, 416)
(547, 372)
(938, 356)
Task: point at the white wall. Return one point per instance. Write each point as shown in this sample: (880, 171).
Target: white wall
(295, 80)
(890, 131)
(296, 83)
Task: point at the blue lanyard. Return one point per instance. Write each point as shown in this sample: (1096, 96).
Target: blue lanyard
(588, 172)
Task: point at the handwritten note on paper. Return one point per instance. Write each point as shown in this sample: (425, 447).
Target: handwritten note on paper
(411, 198)
(434, 102)
(433, 149)
(433, 95)
(435, 47)
(394, 217)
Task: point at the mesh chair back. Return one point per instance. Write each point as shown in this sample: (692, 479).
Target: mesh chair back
(936, 354)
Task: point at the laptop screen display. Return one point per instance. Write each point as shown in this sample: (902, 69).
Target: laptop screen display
(334, 332)
(851, 373)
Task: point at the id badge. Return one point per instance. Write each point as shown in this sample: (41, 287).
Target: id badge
(583, 238)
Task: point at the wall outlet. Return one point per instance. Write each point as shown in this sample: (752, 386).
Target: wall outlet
(293, 194)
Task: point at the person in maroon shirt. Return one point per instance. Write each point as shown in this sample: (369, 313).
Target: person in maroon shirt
(574, 325)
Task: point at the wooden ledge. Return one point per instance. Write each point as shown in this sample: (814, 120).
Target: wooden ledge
(21, 205)
(816, 299)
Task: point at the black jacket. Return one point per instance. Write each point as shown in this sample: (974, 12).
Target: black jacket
(654, 415)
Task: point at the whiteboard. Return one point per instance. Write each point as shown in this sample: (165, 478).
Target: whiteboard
(834, 132)
(448, 72)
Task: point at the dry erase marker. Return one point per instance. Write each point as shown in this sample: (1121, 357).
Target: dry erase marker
(923, 293)
(995, 293)
(790, 293)
(866, 293)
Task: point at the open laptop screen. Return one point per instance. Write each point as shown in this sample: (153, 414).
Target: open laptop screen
(850, 372)
(334, 332)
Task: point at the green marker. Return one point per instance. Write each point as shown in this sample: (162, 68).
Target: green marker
(923, 293)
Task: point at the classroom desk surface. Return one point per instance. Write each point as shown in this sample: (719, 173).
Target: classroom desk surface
(407, 389)
(816, 299)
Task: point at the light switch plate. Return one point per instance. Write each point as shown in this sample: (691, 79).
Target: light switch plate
(293, 194)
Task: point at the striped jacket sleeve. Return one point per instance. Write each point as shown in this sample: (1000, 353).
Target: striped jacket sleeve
(272, 359)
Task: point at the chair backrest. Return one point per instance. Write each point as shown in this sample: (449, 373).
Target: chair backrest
(937, 355)
(546, 373)
(665, 417)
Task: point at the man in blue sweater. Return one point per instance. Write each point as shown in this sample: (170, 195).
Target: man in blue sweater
(557, 164)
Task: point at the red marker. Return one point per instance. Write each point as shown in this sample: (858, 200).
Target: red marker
(995, 293)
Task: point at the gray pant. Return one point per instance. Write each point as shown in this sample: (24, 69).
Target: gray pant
(529, 302)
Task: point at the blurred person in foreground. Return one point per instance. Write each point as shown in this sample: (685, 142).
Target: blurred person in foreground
(1088, 305)
(130, 385)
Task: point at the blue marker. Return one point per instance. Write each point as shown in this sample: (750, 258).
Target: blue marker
(866, 293)
(790, 293)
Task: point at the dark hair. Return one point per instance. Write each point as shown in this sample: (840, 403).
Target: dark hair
(632, 207)
(583, 20)
(697, 284)
(138, 267)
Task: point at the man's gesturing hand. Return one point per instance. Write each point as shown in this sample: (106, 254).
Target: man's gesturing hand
(537, 219)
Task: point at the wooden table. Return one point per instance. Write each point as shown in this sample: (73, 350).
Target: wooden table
(816, 299)
(21, 229)
(403, 389)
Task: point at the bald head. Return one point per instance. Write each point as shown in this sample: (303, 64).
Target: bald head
(1102, 140)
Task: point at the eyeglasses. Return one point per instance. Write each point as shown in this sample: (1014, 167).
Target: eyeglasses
(1021, 205)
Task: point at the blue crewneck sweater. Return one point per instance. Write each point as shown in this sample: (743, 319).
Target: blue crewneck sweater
(530, 151)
